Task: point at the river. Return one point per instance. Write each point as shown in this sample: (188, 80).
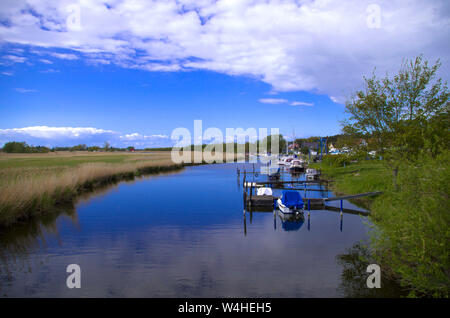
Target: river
(182, 234)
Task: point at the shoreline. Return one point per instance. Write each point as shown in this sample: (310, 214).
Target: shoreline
(51, 202)
(32, 190)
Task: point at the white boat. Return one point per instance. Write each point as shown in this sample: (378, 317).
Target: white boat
(270, 171)
(287, 161)
(296, 166)
(312, 174)
(290, 202)
(264, 191)
(281, 162)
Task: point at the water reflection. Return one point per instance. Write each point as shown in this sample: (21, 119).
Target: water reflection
(291, 222)
(135, 239)
(354, 276)
(19, 241)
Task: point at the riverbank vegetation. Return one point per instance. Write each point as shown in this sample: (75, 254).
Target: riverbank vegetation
(405, 121)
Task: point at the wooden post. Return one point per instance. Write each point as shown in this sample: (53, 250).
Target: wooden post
(245, 199)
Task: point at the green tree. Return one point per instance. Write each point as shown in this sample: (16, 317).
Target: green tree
(401, 114)
(267, 142)
(79, 147)
(304, 150)
(16, 147)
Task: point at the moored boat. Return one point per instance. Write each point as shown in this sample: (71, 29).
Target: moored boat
(312, 174)
(290, 202)
(296, 166)
(264, 191)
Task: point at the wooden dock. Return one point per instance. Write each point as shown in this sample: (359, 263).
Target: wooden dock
(310, 203)
(269, 200)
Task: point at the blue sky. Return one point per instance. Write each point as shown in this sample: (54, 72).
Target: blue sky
(129, 101)
(132, 71)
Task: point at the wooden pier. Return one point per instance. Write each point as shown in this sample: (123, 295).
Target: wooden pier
(310, 203)
(269, 201)
(255, 202)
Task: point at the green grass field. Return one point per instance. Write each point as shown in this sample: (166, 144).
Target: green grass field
(359, 177)
(72, 159)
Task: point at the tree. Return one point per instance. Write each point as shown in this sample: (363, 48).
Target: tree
(267, 143)
(304, 150)
(399, 115)
(106, 146)
(79, 147)
(16, 147)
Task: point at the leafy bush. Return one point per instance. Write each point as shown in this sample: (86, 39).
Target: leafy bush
(412, 227)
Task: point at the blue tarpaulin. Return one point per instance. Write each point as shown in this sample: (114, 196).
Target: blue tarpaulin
(292, 198)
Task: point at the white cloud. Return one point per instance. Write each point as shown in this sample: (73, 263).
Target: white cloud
(50, 70)
(336, 100)
(296, 103)
(15, 58)
(24, 90)
(8, 73)
(273, 100)
(53, 132)
(320, 46)
(64, 56)
(139, 137)
(45, 61)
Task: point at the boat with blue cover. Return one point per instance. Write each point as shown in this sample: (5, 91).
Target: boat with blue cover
(290, 202)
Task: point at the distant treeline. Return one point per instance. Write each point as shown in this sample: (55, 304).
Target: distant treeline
(23, 147)
(338, 140)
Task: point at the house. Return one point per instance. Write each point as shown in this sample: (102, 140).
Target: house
(333, 151)
(331, 147)
(362, 142)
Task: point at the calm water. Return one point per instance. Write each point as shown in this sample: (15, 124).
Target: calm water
(182, 235)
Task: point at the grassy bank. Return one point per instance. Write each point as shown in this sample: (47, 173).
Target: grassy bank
(411, 236)
(358, 177)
